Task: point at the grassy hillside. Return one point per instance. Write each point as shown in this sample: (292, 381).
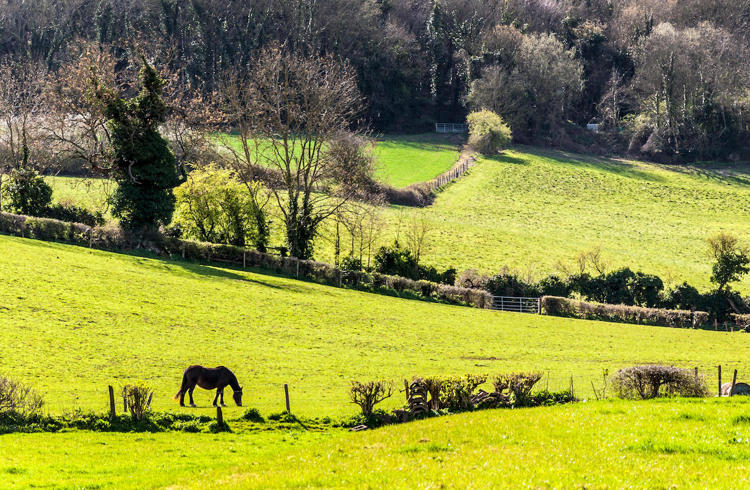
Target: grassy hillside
(529, 209)
(75, 320)
(657, 444)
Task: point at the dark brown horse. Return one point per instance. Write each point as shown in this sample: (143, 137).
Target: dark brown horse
(209, 378)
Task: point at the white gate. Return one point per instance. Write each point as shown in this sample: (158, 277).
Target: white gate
(517, 304)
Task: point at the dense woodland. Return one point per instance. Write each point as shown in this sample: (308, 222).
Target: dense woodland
(665, 79)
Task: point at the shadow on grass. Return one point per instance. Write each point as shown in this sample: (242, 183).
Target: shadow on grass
(503, 158)
(614, 166)
(159, 262)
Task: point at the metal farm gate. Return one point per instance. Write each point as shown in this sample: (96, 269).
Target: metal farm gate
(517, 304)
(451, 128)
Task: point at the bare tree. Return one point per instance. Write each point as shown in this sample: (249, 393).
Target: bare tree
(417, 235)
(21, 86)
(361, 225)
(293, 116)
(76, 122)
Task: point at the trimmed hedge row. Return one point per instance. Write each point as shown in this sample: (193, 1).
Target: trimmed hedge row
(114, 238)
(742, 321)
(565, 307)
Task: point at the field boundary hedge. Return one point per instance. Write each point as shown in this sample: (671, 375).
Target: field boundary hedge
(422, 194)
(113, 238)
(572, 308)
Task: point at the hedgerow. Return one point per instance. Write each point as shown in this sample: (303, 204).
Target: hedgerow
(111, 237)
(566, 307)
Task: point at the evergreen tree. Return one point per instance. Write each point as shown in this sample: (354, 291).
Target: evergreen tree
(144, 167)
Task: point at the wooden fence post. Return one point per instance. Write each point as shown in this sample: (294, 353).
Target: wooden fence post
(286, 398)
(719, 379)
(124, 403)
(219, 416)
(734, 381)
(244, 259)
(112, 413)
(148, 402)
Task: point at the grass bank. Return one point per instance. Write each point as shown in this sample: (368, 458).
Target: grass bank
(75, 320)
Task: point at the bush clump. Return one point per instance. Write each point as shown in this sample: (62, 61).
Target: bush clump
(488, 133)
(253, 415)
(17, 398)
(28, 193)
(367, 395)
(137, 399)
(517, 387)
(651, 381)
(456, 394)
(73, 214)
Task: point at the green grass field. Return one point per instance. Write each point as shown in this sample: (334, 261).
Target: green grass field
(75, 320)
(656, 444)
(403, 159)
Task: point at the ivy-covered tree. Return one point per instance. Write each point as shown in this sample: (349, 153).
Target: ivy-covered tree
(143, 166)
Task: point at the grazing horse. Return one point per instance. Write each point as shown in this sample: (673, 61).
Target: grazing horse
(209, 378)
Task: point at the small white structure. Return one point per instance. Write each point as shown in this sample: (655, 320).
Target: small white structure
(594, 127)
(451, 128)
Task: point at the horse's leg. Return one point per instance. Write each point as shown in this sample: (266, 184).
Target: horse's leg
(182, 398)
(216, 397)
(190, 392)
(222, 397)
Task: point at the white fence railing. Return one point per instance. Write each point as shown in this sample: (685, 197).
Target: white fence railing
(517, 304)
(451, 128)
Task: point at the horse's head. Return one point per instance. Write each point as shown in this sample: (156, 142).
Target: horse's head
(238, 396)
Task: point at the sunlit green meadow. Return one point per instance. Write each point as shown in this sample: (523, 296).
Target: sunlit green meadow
(76, 320)
(614, 444)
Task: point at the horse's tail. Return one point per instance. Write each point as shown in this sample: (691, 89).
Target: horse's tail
(183, 387)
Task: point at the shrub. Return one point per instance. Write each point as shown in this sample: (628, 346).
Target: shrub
(471, 278)
(351, 263)
(367, 395)
(420, 194)
(548, 398)
(137, 399)
(15, 397)
(650, 381)
(28, 193)
(517, 386)
(456, 393)
(509, 284)
(397, 261)
(488, 133)
(253, 415)
(553, 286)
(683, 297)
(74, 214)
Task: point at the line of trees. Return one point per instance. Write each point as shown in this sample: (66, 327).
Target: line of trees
(665, 79)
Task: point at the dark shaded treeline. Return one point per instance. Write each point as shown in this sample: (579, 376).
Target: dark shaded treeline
(666, 80)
